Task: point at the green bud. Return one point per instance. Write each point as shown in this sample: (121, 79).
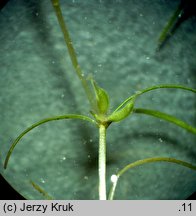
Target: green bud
(122, 113)
(102, 99)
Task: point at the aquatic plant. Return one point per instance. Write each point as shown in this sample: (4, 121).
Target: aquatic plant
(102, 118)
(184, 10)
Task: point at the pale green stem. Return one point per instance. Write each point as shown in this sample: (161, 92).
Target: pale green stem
(102, 162)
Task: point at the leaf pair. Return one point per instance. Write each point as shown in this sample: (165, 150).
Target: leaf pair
(127, 107)
(102, 102)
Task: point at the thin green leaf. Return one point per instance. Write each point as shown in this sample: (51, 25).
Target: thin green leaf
(153, 88)
(68, 116)
(72, 53)
(167, 30)
(166, 117)
(144, 161)
(41, 191)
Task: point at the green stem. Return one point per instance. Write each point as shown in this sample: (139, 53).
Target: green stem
(153, 88)
(147, 160)
(72, 52)
(166, 117)
(102, 162)
(68, 116)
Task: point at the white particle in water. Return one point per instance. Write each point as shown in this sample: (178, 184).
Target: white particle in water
(160, 140)
(147, 57)
(180, 15)
(86, 177)
(63, 158)
(42, 181)
(114, 178)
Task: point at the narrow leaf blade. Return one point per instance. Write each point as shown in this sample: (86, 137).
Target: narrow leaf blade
(68, 116)
(166, 117)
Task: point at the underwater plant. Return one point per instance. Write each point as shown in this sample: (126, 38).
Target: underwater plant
(184, 10)
(102, 118)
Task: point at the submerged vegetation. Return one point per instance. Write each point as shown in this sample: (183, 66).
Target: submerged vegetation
(101, 118)
(184, 10)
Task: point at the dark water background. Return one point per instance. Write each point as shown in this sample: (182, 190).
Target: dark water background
(115, 40)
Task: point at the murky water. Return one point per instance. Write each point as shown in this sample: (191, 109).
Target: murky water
(115, 41)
